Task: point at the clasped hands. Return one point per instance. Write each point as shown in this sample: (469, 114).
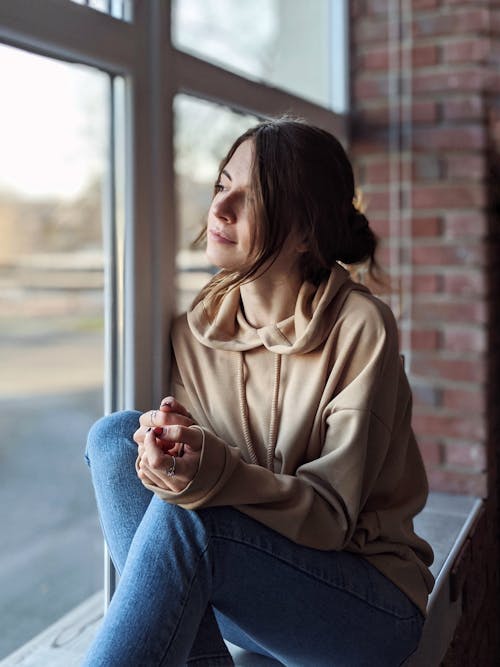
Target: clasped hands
(169, 450)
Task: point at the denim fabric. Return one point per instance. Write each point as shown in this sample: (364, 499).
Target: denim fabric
(190, 578)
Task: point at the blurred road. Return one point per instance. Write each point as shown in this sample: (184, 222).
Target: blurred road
(51, 545)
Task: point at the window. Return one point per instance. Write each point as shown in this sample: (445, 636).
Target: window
(94, 289)
(197, 156)
(282, 43)
(54, 139)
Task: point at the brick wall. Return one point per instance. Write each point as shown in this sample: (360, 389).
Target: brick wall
(426, 142)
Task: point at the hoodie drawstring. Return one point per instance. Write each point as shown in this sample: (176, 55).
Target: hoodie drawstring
(274, 420)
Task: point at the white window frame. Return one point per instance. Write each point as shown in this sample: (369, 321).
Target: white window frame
(139, 298)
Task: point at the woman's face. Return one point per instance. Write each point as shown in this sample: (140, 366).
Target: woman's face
(230, 224)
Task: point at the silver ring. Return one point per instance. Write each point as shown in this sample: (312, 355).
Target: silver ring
(171, 469)
(152, 417)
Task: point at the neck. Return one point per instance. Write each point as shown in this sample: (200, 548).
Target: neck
(270, 298)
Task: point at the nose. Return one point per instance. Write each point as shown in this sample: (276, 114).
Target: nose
(222, 208)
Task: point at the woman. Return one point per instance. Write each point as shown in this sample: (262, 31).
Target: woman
(272, 499)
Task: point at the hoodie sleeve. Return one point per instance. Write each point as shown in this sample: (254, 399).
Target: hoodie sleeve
(319, 506)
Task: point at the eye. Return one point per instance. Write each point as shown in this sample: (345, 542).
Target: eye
(218, 187)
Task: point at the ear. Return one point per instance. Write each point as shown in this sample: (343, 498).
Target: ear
(301, 248)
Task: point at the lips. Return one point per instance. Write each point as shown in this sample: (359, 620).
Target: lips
(219, 236)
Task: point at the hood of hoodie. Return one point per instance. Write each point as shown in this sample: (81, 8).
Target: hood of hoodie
(316, 308)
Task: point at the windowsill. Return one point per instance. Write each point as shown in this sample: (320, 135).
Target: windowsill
(445, 522)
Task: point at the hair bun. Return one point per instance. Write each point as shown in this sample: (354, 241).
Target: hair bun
(358, 221)
(362, 243)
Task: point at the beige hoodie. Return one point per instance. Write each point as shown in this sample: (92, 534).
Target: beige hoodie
(307, 425)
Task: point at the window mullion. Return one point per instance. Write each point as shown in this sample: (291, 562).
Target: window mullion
(150, 247)
(200, 78)
(61, 29)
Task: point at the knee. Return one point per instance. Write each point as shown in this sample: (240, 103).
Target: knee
(112, 434)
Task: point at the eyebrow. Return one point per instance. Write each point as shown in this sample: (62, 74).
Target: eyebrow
(227, 174)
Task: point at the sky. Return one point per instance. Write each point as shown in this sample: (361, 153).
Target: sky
(53, 121)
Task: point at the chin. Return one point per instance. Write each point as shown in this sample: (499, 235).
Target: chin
(215, 259)
(221, 261)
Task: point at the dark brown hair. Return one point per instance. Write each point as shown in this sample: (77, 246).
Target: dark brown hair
(302, 181)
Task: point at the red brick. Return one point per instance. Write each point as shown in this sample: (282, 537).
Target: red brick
(430, 448)
(448, 196)
(462, 80)
(458, 225)
(357, 8)
(494, 56)
(374, 7)
(465, 283)
(377, 201)
(470, 456)
(424, 339)
(405, 170)
(495, 21)
(367, 30)
(469, 108)
(369, 87)
(434, 310)
(384, 256)
(418, 5)
(464, 339)
(439, 138)
(427, 167)
(466, 50)
(426, 283)
(456, 22)
(372, 114)
(380, 226)
(454, 369)
(465, 167)
(374, 59)
(427, 226)
(449, 426)
(453, 481)
(466, 400)
(475, 3)
(377, 171)
(424, 112)
(367, 142)
(440, 254)
(426, 396)
(424, 56)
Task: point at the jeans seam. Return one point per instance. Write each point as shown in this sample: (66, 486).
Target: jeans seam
(316, 577)
(186, 598)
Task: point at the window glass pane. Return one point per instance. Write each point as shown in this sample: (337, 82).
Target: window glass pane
(198, 153)
(53, 134)
(120, 9)
(285, 43)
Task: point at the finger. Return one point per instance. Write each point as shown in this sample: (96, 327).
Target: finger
(147, 476)
(161, 418)
(168, 447)
(171, 404)
(174, 476)
(139, 435)
(191, 436)
(149, 419)
(153, 456)
(173, 449)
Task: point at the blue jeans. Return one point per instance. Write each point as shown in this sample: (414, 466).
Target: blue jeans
(189, 578)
